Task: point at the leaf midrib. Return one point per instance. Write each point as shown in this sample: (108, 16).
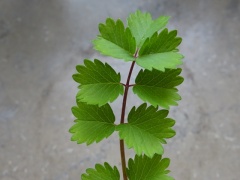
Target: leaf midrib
(143, 130)
(165, 88)
(112, 83)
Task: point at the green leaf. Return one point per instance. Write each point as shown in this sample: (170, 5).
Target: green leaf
(164, 42)
(160, 51)
(145, 168)
(115, 40)
(102, 172)
(142, 26)
(93, 123)
(157, 87)
(146, 129)
(99, 83)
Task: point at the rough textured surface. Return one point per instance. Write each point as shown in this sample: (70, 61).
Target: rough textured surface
(42, 41)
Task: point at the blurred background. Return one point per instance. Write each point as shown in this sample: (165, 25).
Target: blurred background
(41, 42)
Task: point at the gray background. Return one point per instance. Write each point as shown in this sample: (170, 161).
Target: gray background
(41, 41)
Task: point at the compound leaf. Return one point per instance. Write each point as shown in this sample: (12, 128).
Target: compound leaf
(99, 83)
(157, 87)
(93, 123)
(145, 168)
(102, 172)
(146, 129)
(115, 40)
(160, 51)
(143, 26)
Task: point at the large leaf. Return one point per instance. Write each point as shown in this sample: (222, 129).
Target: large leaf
(160, 51)
(146, 129)
(93, 123)
(116, 41)
(157, 87)
(102, 172)
(142, 26)
(145, 168)
(99, 83)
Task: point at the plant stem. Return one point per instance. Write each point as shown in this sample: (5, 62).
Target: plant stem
(122, 150)
(126, 93)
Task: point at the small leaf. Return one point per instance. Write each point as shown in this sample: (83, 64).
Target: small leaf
(145, 168)
(102, 172)
(93, 123)
(160, 51)
(142, 26)
(157, 87)
(164, 42)
(99, 83)
(146, 129)
(115, 40)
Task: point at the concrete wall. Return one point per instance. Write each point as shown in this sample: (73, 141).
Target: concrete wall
(41, 41)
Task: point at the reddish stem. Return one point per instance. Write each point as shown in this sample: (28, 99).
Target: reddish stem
(122, 150)
(126, 93)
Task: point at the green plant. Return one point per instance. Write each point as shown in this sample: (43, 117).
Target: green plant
(147, 127)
